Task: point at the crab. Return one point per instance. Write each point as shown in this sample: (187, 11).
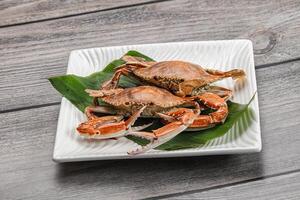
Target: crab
(178, 113)
(179, 77)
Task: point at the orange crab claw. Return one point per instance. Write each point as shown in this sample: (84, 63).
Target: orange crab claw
(215, 102)
(108, 126)
(167, 132)
(207, 121)
(101, 129)
(202, 122)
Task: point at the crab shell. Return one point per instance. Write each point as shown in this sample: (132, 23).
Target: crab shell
(155, 99)
(170, 74)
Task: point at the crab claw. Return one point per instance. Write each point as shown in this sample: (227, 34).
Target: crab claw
(141, 127)
(165, 133)
(109, 126)
(102, 128)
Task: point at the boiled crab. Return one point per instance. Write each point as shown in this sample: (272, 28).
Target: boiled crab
(179, 77)
(149, 101)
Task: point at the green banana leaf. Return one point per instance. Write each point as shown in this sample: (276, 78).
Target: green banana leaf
(73, 88)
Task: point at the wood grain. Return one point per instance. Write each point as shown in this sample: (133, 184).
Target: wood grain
(281, 187)
(18, 12)
(27, 172)
(31, 53)
(38, 48)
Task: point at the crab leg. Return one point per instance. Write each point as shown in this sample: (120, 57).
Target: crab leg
(220, 91)
(234, 73)
(225, 93)
(125, 70)
(201, 122)
(187, 87)
(108, 126)
(139, 60)
(113, 82)
(90, 110)
(167, 132)
(102, 93)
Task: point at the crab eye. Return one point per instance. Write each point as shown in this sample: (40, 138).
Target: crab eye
(173, 90)
(127, 103)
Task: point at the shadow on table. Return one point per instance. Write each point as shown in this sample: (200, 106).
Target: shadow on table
(164, 175)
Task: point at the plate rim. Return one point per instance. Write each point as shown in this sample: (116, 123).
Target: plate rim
(163, 154)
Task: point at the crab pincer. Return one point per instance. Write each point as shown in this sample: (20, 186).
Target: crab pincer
(108, 127)
(215, 102)
(204, 121)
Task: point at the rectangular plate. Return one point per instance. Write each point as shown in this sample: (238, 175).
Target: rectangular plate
(221, 55)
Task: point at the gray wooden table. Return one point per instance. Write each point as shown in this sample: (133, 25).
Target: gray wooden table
(35, 40)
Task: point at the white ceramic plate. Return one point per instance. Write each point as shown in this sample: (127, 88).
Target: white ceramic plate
(222, 55)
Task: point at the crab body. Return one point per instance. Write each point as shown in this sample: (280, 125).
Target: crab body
(169, 74)
(156, 100)
(179, 77)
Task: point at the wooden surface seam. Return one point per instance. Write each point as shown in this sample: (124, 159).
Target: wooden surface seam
(13, 15)
(199, 193)
(276, 187)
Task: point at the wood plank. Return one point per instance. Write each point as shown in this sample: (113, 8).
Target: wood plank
(280, 187)
(18, 12)
(27, 172)
(31, 53)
